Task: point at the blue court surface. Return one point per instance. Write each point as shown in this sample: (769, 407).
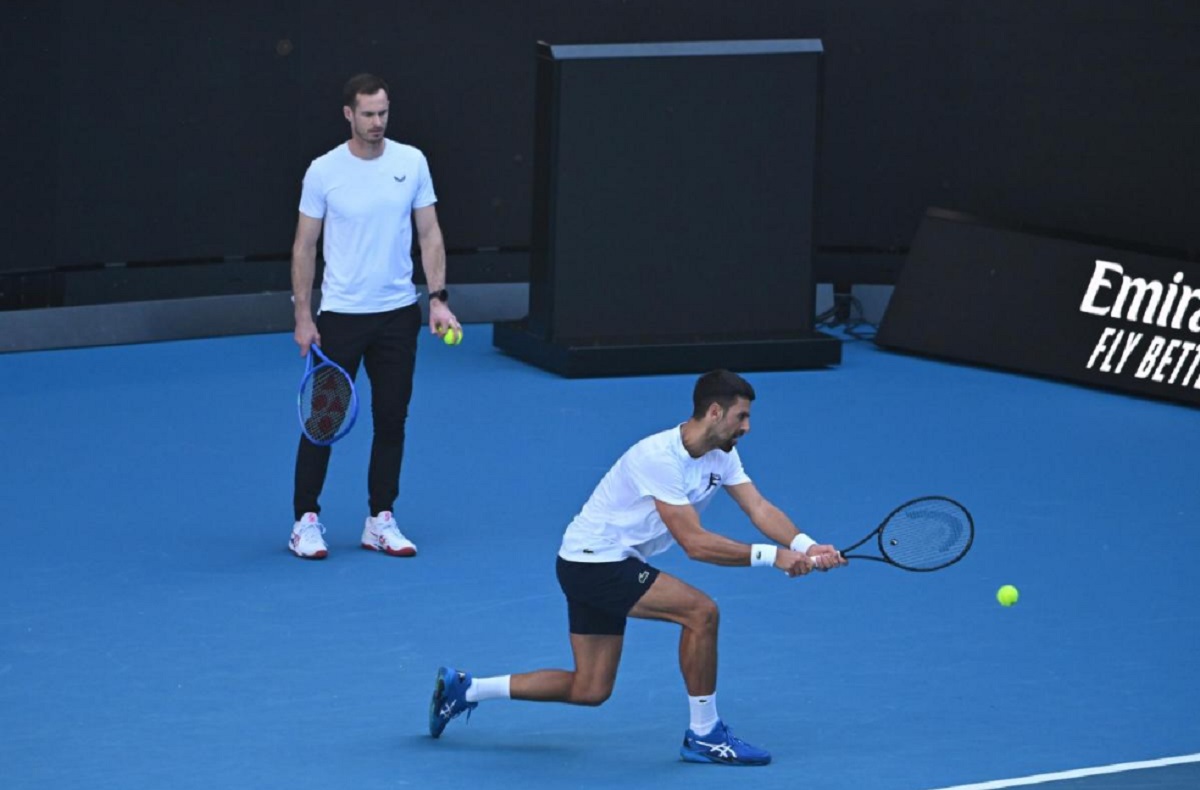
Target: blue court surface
(155, 632)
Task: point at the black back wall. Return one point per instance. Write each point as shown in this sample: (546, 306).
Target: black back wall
(169, 131)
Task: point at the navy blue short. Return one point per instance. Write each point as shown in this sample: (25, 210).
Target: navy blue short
(600, 594)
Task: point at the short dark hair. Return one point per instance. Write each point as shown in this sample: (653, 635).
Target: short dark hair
(721, 387)
(362, 85)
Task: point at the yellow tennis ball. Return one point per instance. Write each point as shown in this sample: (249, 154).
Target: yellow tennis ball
(452, 337)
(1007, 595)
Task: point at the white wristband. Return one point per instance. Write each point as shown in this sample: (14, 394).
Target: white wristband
(802, 543)
(762, 555)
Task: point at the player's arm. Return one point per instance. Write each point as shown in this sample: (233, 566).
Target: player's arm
(304, 269)
(775, 524)
(684, 524)
(433, 261)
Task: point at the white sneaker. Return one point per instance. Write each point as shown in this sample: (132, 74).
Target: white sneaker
(382, 534)
(306, 541)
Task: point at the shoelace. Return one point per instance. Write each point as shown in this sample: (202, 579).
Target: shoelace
(466, 708)
(390, 532)
(307, 529)
(739, 746)
(730, 740)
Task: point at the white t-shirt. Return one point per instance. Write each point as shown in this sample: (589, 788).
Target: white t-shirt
(367, 207)
(620, 520)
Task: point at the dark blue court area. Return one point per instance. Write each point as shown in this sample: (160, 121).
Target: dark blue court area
(155, 631)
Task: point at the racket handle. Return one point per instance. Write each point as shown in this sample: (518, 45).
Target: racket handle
(817, 565)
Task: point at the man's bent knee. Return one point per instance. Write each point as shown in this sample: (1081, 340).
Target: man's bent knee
(705, 616)
(591, 697)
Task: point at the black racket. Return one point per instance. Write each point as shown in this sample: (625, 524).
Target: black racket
(925, 534)
(327, 403)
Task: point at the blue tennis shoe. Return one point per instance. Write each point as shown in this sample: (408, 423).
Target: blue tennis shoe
(449, 699)
(720, 746)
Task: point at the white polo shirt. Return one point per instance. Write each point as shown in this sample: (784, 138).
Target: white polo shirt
(367, 206)
(620, 520)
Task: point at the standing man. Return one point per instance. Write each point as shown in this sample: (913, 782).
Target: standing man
(650, 499)
(366, 195)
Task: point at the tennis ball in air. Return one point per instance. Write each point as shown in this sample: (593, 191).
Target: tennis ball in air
(1007, 595)
(452, 337)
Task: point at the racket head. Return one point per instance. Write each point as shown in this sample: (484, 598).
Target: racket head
(327, 403)
(926, 534)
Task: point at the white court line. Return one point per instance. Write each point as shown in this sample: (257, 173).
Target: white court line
(1117, 768)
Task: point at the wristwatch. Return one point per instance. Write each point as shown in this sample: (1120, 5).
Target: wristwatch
(442, 295)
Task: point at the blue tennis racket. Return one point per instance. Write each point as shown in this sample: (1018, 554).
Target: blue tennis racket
(327, 403)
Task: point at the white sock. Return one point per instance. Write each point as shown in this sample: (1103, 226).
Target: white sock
(704, 713)
(489, 688)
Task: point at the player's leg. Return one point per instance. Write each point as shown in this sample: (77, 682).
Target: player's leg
(590, 683)
(676, 601)
(343, 341)
(597, 657)
(707, 739)
(599, 596)
(390, 362)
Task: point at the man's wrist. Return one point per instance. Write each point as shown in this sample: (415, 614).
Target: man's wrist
(802, 543)
(762, 555)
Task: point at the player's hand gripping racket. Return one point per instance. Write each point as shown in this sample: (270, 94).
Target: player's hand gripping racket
(327, 403)
(925, 534)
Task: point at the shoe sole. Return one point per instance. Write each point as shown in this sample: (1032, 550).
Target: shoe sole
(320, 555)
(688, 757)
(390, 552)
(438, 689)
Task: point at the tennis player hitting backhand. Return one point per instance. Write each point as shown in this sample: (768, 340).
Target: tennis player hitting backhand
(651, 498)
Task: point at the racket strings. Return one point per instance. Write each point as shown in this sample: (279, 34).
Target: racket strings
(325, 401)
(927, 535)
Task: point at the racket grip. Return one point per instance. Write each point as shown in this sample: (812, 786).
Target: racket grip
(817, 565)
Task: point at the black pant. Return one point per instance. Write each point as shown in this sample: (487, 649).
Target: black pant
(386, 343)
